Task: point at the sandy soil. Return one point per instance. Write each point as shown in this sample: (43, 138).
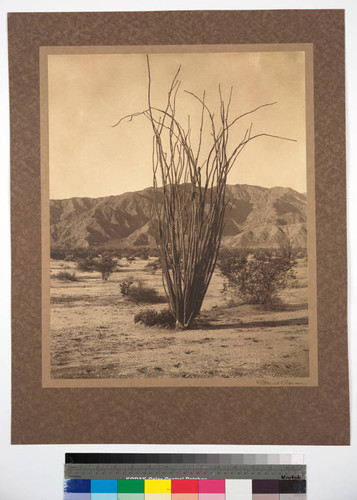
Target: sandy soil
(93, 334)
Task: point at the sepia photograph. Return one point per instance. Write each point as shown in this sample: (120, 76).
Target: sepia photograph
(178, 230)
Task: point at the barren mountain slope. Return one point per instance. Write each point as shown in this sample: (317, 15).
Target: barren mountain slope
(256, 216)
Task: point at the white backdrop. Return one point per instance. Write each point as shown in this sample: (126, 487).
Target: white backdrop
(36, 472)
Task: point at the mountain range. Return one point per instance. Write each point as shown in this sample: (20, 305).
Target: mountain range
(257, 217)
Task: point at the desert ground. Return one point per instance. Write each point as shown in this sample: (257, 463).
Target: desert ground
(93, 334)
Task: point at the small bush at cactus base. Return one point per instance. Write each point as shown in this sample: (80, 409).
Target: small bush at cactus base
(150, 317)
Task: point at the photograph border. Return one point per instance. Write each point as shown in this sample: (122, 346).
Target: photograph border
(312, 378)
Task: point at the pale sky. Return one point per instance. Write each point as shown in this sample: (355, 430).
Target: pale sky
(88, 93)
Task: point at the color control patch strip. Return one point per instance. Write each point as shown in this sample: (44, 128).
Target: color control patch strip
(185, 489)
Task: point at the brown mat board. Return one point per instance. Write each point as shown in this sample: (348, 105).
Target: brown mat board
(226, 415)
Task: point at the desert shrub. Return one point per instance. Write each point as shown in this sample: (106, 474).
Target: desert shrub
(150, 317)
(146, 294)
(125, 286)
(227, 254)
(113, 252)
(140, 252)
(258, 278)
(154, 252)
(129, 252)
(143, 253)
(66, 276)
(301, 254)
(70, 257)
(153, 266)
(57, 253)
(106, 265)
(84, 253)
(87, 264)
